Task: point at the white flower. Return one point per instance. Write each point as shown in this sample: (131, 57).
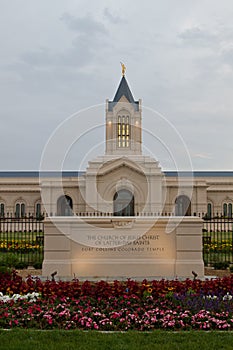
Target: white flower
(31, 297)
(212, 297)
(227, 296)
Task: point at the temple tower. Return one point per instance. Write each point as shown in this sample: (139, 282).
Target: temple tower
(123, 123)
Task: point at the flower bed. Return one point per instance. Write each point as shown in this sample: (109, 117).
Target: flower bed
(215, 246)
(22, 246)
(116, 306)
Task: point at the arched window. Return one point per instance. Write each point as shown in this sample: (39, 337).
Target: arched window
(183, 206)
(209, 210)
(38, 210)
(123, 203)
(123, 131)
(227, 210)
(64, 206)
(2, 209)
(230, 210)
(20, 210)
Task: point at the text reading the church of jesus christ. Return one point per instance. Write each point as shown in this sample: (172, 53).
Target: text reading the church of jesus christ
(124, 243)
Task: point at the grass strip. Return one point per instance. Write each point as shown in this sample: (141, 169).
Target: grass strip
(69, 340)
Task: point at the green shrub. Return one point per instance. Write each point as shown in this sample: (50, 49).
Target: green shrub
(37, 265)
(222, 265)
(9, 260)
(20, 265)
(5, 269)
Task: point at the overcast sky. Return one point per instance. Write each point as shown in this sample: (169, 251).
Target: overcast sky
(58, 57)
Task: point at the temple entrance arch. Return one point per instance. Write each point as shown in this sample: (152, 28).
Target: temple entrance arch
(123, 203)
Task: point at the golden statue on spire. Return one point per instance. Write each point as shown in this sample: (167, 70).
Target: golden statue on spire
(123, 69)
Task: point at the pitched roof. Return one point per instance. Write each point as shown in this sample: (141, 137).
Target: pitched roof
(123, 90)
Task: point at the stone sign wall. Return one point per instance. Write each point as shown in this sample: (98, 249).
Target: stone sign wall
(126, 248)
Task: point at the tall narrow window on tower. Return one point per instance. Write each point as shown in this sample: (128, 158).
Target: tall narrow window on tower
(123, 131)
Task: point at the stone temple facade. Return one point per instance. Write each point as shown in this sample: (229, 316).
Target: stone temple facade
(122, 182)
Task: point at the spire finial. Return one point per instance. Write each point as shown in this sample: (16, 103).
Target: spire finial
(123, 69)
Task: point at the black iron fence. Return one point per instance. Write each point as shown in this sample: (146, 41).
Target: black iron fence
(21, 241)
(218, 241)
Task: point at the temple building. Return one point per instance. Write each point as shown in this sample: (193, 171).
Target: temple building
(121, 182)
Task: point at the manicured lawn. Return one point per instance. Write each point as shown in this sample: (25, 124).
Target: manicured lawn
(69, 340)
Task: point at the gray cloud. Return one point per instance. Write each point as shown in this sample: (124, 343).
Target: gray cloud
(113, 18)
(90, 35)
(41, 57)
(79, 55)
(197, 36)
(179, 60)
(83, 25)
(227, 53)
